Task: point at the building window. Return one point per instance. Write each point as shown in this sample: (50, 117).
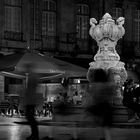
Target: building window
(136, 30)
(35, 19)
(12, 19)
(49, 18)
(117, 12)
(82, 21)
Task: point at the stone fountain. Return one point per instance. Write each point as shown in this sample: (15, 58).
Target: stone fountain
(106, 34)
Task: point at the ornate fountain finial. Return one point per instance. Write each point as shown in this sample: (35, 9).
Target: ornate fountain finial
(107, 28)
(107, 33)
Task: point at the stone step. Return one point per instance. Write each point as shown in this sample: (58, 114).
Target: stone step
(120, 114)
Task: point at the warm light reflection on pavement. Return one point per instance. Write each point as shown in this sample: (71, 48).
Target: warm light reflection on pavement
(13, 131)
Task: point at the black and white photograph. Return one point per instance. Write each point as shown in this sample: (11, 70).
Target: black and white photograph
(69, 69)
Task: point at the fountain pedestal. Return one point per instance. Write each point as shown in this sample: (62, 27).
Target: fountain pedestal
(107, 33)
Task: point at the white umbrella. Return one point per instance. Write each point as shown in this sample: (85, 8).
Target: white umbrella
(70, 70)
(15, 66)
(46, 67)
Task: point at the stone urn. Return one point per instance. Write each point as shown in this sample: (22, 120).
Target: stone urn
(106, 33)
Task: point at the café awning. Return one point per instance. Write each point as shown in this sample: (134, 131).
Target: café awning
(47, 67)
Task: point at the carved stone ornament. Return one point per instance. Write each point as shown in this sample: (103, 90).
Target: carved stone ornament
(106, 34)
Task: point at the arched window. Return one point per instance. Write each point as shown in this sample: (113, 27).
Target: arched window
(13, 20)
(49, 18)
(82, 21)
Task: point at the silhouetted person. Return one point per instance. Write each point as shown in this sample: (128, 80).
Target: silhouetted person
(129, 100)
(30, 101)
(137, 101)
(99, 102)
(49, 108)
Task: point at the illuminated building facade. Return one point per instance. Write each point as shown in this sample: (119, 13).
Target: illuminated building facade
(62, 26)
